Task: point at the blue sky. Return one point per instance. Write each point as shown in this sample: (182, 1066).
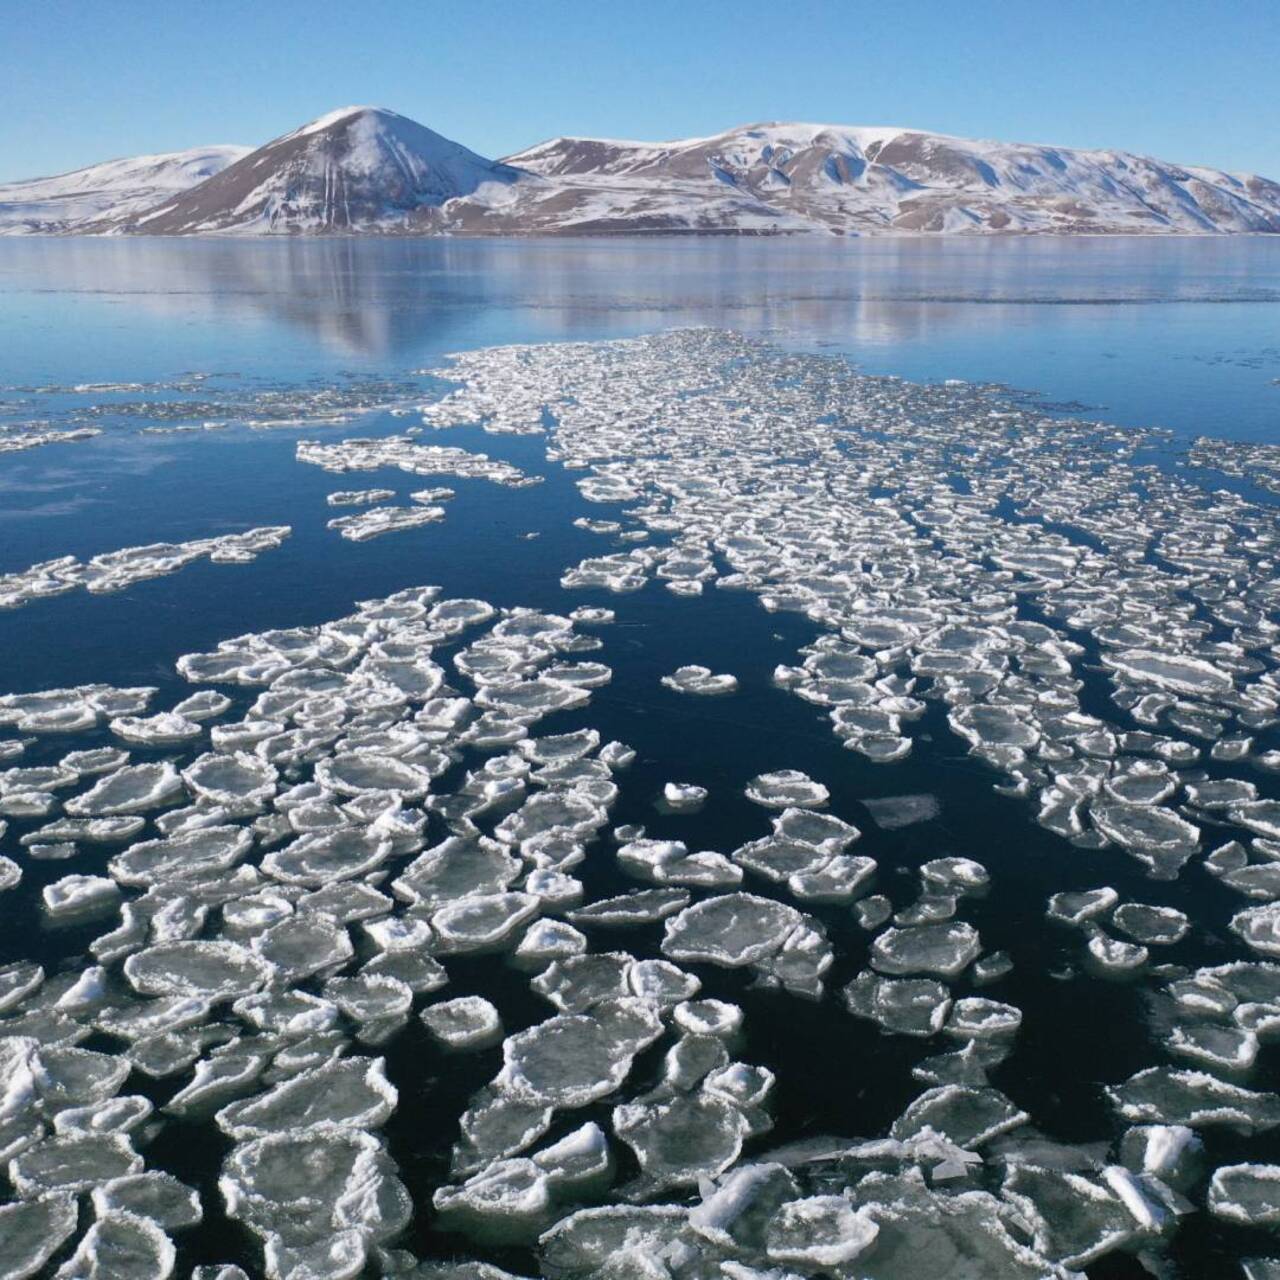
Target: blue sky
(1185, 80)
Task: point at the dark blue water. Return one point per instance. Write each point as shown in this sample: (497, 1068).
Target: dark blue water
(1181, 334)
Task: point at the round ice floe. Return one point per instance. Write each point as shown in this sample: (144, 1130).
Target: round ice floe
(1157, 837)
(546, 941)
(292, 1013)
(576, 983)
(566, 812)
(131, 789)
(1080, 906)
(1246, 1193)
(469, 1022)
(984, 725)
(1153, 926)
(121, 1246)
(777, 858)
(556, 748)
(680, 1141)
(159, 1197)
(787, 788)
(822, 830)
(10, 874)
(683, 796)
(72, 1164)
(239, 781)
(732, 930)
(966, 1115)
(1175, 672)
(820, 1231)
(205, 970)
(508, 1202)
(353, 773)
(304, 945)
(955, 875)
(484, 922)
(1193, 1098)
(194, 853)
(841, 880)
(643, 907)
(303, 1189)
(1222, 1049)
(617, 1236)
(204, 705)
(78, 895)
(370, 997)
(352, 1093)
(1113, 956)
(663, 983)
(157, 730)
(942, 949)
(901, 1006)
(975, 1018)
(33, 1231)
(1259, 927)
(573, 1059)
(699, 680)
(456, 868)
(316, 860)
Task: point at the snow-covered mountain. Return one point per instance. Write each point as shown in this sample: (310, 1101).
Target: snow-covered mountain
(106, 193)
(787, 177)
(366, 169)
(355, 169)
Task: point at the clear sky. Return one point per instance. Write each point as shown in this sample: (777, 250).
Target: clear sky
(1193, 81)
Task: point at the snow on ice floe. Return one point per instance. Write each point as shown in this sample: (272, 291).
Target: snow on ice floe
(376, 521)
(699, 680)
(341, 839)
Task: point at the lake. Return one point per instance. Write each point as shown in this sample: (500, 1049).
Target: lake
(201, 365)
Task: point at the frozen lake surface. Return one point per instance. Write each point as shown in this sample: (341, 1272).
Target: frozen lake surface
(657, 759)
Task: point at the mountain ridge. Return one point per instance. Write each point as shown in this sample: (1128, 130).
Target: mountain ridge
(368, 170)
(106, 191)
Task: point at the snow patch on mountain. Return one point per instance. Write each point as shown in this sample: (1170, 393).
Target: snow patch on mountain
(356, 169)
(107, 192)
(368, 170)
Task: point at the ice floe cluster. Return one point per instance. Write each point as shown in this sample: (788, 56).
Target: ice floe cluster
(117, 570)
(195, 402)
(355, 848)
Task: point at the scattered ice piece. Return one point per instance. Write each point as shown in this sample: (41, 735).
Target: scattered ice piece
(787, 788)
(467, 1023)
(683, 796)
(359, 497)
(700, 680)
(893, 812)
(942, 949)
(79, 895)
(732, 930)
